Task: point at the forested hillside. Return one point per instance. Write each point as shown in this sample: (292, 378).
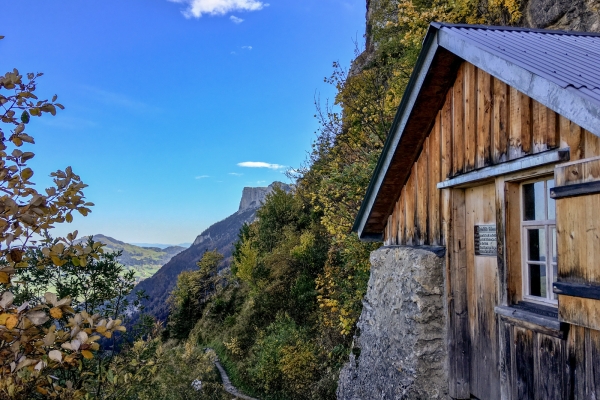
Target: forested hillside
(284, 318)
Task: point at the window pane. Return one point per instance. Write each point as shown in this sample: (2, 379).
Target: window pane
(536, 244)
(533, 201)
(551, 202)
(537, 280)
(554, 258)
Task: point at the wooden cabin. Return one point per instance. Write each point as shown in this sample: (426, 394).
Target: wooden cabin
(495, 154)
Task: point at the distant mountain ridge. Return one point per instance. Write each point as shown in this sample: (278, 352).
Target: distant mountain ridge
(161, 245)
(145, 261)
(220, 236)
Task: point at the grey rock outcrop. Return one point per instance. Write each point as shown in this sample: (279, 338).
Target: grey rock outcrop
(399, 350)
(570, 15)
(253, 197)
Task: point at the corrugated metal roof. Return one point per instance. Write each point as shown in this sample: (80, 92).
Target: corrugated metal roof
(569, 59)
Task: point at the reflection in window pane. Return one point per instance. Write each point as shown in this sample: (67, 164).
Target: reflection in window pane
(551, 202)
(537, 280)
(555, 268)
(533, 201)
(536, 243)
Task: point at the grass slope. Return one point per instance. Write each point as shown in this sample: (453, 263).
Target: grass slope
(144, 260)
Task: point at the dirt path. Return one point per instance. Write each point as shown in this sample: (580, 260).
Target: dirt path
(229, 388)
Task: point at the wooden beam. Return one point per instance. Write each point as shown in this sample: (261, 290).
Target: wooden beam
(577, 290)
(549, 157)
(579, 189)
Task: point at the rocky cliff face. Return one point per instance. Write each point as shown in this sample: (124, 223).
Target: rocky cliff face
(399, 350)
(570, 15)
(253, 197)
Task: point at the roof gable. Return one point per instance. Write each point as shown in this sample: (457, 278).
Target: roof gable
(559, 69)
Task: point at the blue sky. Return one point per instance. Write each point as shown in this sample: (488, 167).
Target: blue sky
(165, 99)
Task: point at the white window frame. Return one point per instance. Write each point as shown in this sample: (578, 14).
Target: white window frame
(548, 225)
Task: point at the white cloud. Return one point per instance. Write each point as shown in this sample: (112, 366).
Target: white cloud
(196, 8)
(247, 47)
(235, 174)
(260, 164)
(202, 177)
(236, 20)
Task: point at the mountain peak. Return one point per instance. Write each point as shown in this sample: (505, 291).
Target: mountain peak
(253, 197)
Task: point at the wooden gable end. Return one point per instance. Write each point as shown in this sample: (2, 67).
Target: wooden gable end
(483, 122)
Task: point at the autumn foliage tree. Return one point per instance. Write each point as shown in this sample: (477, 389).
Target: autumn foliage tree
(39, 343)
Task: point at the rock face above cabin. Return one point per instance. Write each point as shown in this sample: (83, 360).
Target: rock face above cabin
(399, 350)
(570, 15)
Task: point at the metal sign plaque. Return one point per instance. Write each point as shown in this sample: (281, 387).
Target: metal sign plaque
(485, 240)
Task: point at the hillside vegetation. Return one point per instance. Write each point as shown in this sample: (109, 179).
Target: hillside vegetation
(284, 317)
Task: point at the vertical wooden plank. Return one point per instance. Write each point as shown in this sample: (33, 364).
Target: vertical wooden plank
(549, 370)
(524, 364)
(482, 289)
(571, 136)
(422, 194)
(411, 194)
(512, 245)
(484, 119)
(592, 144)
(386, 232)
(593, 349)
(402, 217)
(501, 240)
(446, 139)
(501, 122)
(515, 149)
(504, 347)
(526, 132)
(454, 385)
(435, 237)
(514, 145)
(552, 123)
(505, 360)
(576, 359)
(540, 127)
(470, 101)
(458, 119)
(460, 360)
(395, 224)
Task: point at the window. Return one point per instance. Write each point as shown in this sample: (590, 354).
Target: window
(538, 236)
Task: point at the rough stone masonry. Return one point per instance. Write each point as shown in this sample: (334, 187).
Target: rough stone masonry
(399, 350)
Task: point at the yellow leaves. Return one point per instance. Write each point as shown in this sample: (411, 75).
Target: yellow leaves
(4, 277)
(69, 217)
(87, 354)
(11, 322)
(56, 312)
(26, 174)
(57, 261)
(41, 390)
(3, 318)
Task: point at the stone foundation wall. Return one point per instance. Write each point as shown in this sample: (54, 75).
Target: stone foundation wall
(399, 350)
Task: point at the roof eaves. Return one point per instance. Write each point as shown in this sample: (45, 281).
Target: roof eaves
(429, 49)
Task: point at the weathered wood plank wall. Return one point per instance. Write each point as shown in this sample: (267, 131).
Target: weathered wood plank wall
(483, 122)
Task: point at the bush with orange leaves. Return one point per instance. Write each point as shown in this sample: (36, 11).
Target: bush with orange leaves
(39, 343)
